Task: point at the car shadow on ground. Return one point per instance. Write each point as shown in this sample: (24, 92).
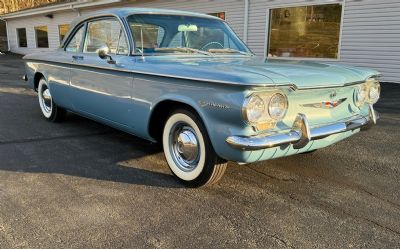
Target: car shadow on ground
(78, 147)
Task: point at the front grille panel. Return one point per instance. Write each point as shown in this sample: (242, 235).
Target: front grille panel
(300, 100)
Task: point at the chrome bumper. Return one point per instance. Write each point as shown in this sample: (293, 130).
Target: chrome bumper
(301, 133)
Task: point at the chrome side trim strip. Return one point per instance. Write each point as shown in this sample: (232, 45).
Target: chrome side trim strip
(158, 75)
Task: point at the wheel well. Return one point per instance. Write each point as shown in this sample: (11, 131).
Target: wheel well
(160, 115)
(36, 80)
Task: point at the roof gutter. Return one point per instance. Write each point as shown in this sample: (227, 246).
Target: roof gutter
(58, 7)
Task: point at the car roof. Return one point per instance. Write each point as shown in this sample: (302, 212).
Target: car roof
(127, 11)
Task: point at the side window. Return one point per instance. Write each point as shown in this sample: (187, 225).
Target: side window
(107, 32)
(75, 43)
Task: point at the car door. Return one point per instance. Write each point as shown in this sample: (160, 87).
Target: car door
(102, 87)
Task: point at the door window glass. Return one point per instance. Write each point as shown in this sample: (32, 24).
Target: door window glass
(106, 33)
(75, 43)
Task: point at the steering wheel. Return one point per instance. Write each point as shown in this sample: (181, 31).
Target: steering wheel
(211, 43)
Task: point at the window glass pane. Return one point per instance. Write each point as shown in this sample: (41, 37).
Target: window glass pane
(207, 38)
(63, 29)
(42, 39)
(123, 44)
(105, 33)
(307, 31)
(75, 43)
(163, 34)
(22, 42)
(220, 15)
(152, 36)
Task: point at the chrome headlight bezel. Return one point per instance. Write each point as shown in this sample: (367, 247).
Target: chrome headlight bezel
(374, 91)
(285, 103)
(248, 104)
(367, 93)
(265, 120)
(360, 95)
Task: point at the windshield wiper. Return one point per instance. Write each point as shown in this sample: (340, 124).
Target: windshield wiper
(228, 50)
(184, 49)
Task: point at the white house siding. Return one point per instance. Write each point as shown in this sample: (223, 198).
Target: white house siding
(370, 32)
(371, 36)
(30, 23)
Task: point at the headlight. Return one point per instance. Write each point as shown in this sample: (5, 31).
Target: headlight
(360, 95)
(277, 107)
(263, 110)
(374, 92)
(254, 108)
(369, 92)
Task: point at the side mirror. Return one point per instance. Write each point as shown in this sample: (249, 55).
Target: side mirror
(103, 54)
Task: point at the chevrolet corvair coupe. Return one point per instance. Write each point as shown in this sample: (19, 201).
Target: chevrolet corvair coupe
(187, 81)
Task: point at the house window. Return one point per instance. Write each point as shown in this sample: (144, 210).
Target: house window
(22, 42)
(63, 30)
(220, 15)
(42, 39)
(305, 32)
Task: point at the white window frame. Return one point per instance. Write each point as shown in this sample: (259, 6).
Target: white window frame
(268, 28)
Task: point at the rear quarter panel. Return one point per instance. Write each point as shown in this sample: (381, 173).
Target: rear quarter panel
(54, 67)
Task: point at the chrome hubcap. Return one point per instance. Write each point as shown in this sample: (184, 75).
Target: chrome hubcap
(184, 147)
(46, 99)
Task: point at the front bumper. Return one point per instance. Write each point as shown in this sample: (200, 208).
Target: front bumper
(301, 133)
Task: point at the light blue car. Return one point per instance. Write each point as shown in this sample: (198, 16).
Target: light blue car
(186, 80)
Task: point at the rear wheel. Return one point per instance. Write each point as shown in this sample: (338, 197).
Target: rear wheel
(50, 110)
(189, 152)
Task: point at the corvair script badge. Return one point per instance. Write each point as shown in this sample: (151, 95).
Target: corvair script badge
(326, 104)
(212, 104)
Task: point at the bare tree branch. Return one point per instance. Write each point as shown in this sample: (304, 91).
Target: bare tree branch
(7, 6)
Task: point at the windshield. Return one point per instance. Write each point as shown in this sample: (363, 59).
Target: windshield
(161, 34)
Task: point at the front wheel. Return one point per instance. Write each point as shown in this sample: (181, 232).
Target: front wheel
(189, 152)
(50, 110)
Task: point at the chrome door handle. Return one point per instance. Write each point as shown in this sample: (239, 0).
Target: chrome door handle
(77, 57)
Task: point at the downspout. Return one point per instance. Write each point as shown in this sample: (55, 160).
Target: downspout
(74, 9)
(246, 20)
(8, 38)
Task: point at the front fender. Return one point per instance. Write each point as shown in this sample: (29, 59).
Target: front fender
(219, 109)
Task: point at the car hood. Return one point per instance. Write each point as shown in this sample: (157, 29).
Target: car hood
(255, 71)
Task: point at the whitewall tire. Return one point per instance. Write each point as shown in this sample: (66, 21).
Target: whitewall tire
(189, 152)
(49, 109)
